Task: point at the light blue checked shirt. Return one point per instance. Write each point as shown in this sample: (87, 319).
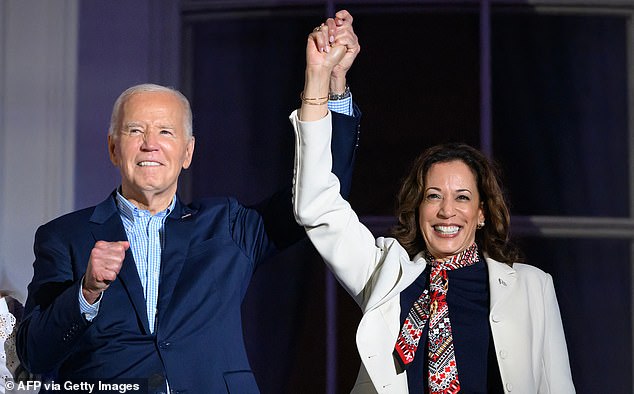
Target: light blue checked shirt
(146, 238)
(343, 106)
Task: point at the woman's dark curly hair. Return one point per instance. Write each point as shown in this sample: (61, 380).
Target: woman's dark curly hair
(493, 238)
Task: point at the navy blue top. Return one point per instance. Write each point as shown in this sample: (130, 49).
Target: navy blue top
(468, 302)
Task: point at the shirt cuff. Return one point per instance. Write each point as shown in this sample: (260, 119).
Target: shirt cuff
(343, 106)
(89, 311)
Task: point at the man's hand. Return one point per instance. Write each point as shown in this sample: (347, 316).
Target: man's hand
(342, 33)
(106, 259)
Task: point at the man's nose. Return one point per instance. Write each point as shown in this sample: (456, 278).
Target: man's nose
(150, 141)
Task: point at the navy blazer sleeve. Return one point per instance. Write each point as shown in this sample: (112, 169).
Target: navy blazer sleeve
(277, 211)
(53, 303)
(345, 140)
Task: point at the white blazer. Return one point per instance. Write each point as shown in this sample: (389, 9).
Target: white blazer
(524, 314)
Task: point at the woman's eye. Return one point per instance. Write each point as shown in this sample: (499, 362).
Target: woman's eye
(433, 196)
(463, 198)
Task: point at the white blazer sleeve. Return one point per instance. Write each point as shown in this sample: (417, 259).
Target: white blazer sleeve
(556, 363)
(346, 245)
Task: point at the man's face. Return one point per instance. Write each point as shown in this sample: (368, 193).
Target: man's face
(150, 146)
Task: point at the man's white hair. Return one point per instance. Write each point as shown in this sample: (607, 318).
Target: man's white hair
(149, 88)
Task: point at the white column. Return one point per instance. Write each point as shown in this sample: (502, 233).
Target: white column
(38, 49)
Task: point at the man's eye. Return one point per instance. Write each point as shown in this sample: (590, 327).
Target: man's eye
(135, 131)
(167, 132)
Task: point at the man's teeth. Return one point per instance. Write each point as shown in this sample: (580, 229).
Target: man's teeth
(447, 229)
(149, 163)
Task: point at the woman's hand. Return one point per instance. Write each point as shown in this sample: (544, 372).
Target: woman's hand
(322, 55)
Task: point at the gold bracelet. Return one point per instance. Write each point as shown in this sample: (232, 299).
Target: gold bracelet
(313, 100)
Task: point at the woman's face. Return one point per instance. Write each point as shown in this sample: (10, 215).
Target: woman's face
(450, 209)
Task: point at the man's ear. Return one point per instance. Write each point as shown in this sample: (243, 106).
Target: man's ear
(189, 152)
(112, 150)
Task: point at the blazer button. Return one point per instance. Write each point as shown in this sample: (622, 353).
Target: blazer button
(496, 318)
(165, 345)
(503, 354)
(509, 387)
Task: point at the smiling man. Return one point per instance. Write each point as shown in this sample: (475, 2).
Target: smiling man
(150, 141)
(145, 287)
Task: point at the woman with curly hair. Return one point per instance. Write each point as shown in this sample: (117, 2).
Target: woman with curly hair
(448, 306)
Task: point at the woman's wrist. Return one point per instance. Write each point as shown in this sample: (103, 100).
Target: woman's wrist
(316, 84)
(315, 94)
(317, 78)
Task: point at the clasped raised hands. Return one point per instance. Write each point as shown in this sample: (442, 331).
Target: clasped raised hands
(330, 52)
(333, 45)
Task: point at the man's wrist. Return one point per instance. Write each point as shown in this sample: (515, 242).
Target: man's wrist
(90, 296)
(339, 96)
(338, 83)
(88, 309)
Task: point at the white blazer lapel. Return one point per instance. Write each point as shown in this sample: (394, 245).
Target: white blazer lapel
(410, 270)
(397, 273)
(380, 324)
(502, 280)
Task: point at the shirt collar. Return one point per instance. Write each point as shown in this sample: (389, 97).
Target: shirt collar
(130, 211)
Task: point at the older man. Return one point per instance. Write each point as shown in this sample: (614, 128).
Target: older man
(144, 286)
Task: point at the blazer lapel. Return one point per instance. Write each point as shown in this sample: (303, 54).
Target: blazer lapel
(410, 270)
(502, 280)
(395, 277)
(179, 228)
(106, 225)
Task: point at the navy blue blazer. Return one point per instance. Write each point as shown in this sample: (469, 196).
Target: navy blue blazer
(212, 248)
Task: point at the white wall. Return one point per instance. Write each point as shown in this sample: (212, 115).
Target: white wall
(62, 65)
(38, 49)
